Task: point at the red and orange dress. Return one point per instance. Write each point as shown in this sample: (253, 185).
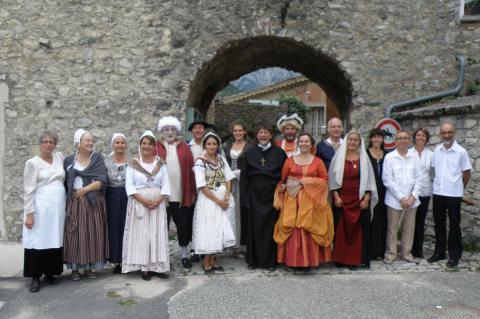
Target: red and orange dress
(304, 230)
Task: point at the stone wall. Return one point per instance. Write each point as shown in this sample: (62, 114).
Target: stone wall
(252, 114)
(464, 113)
(109, 65)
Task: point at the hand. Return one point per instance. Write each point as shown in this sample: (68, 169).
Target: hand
(411, 201)
(338, 201)
(79, 193)
(364, 203)
(155, 203)
(223, 204)
(404, 202)
(282, 188)
(29, 220)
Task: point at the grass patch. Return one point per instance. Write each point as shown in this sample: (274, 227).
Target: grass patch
(128, 303)
(113, 294)
(454, 269)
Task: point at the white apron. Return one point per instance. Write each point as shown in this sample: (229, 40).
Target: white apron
(49, 219)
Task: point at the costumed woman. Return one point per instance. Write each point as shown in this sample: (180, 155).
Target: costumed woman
(86, 237)
(378, 226)
(235, 155)
(304, 230)
(214, 216)
(145, 240)
(352, 181)
(116, 198)
(44, 213)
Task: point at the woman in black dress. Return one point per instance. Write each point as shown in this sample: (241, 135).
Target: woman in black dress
(378, 225)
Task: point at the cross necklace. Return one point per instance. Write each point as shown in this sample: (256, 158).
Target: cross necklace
(263, 161)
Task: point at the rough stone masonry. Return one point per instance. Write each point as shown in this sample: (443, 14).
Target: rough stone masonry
(109, 65)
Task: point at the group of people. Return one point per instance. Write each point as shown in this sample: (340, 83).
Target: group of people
(288, 201)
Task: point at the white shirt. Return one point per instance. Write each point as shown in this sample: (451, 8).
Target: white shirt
(402, 177)
(425, 162)
(174, 172)
(135, 180)
(196, 149)
(449, 166)
(78, 181)
(39, 173)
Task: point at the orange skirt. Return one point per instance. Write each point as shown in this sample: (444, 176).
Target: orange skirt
(300, 250)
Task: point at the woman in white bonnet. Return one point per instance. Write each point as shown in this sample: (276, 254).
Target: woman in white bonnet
(86, 241)
(116, 164)
(145, 240)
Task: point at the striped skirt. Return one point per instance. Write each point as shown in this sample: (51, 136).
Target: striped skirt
(85, 236)
(145, 239)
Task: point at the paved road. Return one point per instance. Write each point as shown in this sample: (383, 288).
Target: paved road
(238, 293)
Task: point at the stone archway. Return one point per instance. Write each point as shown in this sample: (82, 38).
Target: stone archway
(239, 57)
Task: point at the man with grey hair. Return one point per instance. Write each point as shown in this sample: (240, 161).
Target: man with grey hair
(452, 172)
(326, 149)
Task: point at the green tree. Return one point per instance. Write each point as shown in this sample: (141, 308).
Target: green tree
(294, 105)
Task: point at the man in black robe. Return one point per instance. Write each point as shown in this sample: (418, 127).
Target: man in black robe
(263, 171)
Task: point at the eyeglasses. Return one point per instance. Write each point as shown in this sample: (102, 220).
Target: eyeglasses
(48, 142)
(402, 138)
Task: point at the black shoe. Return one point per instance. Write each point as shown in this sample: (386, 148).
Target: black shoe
(251, 267)
(218, 268)
(146, 276)
(272, 268)
(186, 263)
(35, 285)
(162, 275)
(50, 280)
(436, 257)
(195, 258)
(339, 265)
(208, 270)
(451, 263)
(117, 270)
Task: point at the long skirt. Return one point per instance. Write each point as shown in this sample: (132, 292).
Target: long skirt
(86, 235)
(240, 212)
(116, 213)
(38, 262)
(145, 240)
(213, 227)
(301, 250)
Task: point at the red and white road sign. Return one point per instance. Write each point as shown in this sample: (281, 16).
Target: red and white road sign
(389, 127)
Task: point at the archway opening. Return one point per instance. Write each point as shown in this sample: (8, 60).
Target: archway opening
(239, 57)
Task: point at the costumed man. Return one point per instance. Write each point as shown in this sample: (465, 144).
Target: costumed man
(176, 153)
(259, 178)
(326, 149)
(198, 129)
(289, 126)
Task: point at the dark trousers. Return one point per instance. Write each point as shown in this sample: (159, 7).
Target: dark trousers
(417, 248)
(183, 218)
(443, 205)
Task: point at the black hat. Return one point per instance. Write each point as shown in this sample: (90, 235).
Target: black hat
(205, 124)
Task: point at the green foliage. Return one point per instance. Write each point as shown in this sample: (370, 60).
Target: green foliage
(294, 106)
(128, 303)
(113, 294)
(473, 88)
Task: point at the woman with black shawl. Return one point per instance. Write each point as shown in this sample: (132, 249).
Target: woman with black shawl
(86, 240)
